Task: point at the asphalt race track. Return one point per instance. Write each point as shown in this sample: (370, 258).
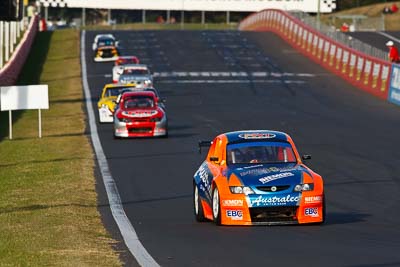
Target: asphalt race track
(218, 81)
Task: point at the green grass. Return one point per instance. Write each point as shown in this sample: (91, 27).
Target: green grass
(48, 201)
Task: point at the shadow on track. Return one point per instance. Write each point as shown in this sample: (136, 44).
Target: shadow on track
(333, 218)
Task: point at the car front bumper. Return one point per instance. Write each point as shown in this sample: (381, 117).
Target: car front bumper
(140, 129)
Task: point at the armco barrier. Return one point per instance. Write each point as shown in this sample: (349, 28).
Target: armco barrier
(10, 71)
(364, 71)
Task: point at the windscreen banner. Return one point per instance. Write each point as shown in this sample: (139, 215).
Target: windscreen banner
(309, 6)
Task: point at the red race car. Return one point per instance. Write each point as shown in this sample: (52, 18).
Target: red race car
(123, 60)
(139, 115)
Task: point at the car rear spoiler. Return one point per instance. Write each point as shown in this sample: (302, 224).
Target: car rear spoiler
(204, 144)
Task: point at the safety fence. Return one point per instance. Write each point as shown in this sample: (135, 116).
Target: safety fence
(345, 39)
(10, 71)
(363, 71)
(10, 32)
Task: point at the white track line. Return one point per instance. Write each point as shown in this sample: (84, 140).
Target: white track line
(178, 74)
(230, 81)
(127, 231)
(390, 36)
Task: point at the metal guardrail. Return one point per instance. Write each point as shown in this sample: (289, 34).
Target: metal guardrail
(340, 37)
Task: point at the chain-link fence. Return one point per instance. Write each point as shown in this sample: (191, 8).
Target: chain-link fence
(339, 36)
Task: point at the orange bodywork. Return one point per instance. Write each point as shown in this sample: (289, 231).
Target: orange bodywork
(235, 209)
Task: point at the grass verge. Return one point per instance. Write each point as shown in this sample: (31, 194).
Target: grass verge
(48, 202)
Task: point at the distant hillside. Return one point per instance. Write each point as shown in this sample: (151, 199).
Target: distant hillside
(392, 21)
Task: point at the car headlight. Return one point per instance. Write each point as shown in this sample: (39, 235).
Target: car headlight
(241, 190)
(304, 187)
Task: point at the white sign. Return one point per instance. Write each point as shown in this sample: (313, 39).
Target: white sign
(24, 97)
(200, 5)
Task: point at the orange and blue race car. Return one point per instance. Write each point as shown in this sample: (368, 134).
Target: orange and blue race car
(256, 177)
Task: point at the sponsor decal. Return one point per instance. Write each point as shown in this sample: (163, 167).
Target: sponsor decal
(338, 57)
(203, 175)
(313, 199)
(274, 200)
(394, 93)
(270, 178)
(360, 65)
(234, 214)
(367, 71)
(232, 202)
(257, 135)
(375, 74)
(266, 171)
(326, 51)
(311, 212)
(384, 77)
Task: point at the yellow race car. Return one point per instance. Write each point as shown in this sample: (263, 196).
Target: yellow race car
(106, 53)
(107, 102)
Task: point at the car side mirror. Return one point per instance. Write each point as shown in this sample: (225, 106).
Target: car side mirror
(306, 157)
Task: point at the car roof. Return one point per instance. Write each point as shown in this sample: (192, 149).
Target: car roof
(255, 136)
(140, 88)
(98, 36)
(139, 93)
(116, 85)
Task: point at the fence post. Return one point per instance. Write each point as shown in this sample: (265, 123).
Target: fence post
(6, 41)
(1, 43)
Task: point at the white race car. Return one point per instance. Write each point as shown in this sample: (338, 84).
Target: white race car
(134, 73)
(104, 40)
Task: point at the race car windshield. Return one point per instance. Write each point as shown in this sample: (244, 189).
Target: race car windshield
(136, 71)
(106, 42)
(260, 152)
(138, 102)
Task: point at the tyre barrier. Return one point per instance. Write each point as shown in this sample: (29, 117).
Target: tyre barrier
(363, 71)
(11, 70)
